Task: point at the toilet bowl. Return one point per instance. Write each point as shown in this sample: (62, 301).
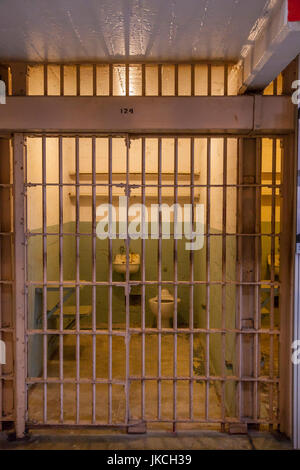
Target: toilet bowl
(167, 307)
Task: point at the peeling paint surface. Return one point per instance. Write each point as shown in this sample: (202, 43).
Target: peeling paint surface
(87, 30)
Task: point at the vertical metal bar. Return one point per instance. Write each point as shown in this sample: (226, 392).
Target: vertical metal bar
(192, 79)
(272, 299)
(257, 316)
(143, 80)
(239, 285)
(127, 80)
(224, 225)
(19, 285)
(45, 80)
(78, 80)
(176, 79)
(94, 278)
(159, 79)
(110, 287)
(94, 80)
(208, 192)
(191, 309)
(127, 287)
(26, 269)
(45, 337)
(159, 253)
(143, 277)
(111, 79)
(61, 279)
(209, 87)
(226, 80)
(77, 287)
(175, 256)
(62, 80)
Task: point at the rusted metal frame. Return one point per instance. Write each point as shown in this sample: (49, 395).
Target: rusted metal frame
(127, 288)
(209, 80)
(239, 288)
(191, 275)
(69, 113)
(175, 260)
(19, 293)
(176, 80)
(127, 87)
(62, 80)
(214, 378)
(159, 277)
(287, 266)
(225, 79)
(143, 323)
(159, 72)
(45, 69)
(94, 80)
(77, 269)
(192, 79)
(272, 294)
(61, 277)
(132, 61)
(45, 296)
(1, 329)
(224, 240)
(6, 271)
(163, 134)
(248, 235)
(78, 80)
(164, 185)
(193, 284)
(94, 278)
(248, 219)
(31, 332)
(86, 424)
(143, 80)
(257, 292)
(208, 280)
(110, 77)
(134, 283)
(110, 273)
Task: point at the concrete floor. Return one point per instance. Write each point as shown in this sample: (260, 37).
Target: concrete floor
(208, 440)
(35, 396)
(118, 395)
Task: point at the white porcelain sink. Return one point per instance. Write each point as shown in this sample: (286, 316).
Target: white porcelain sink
(119, 263)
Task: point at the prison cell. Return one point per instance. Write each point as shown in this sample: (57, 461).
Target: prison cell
(96, 353)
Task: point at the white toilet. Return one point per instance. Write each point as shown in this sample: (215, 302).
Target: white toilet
(167, 307)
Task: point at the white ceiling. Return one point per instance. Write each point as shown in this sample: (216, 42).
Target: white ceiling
(104, 30)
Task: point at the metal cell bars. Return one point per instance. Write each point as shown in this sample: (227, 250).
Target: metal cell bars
(138, 79)
(6, 282)
(194, 325)
(263, 222)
